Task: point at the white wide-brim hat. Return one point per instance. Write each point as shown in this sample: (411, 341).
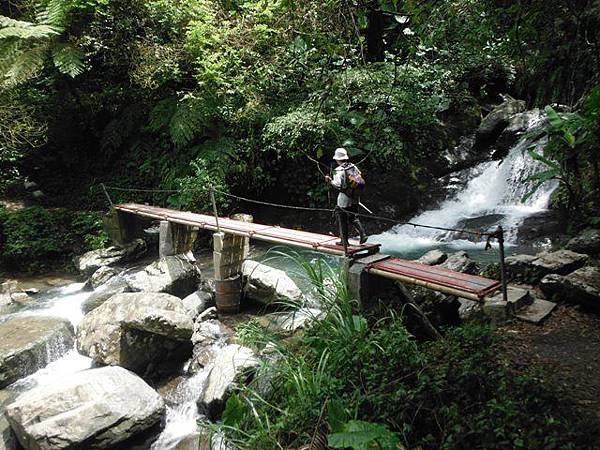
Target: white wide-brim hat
(340, 154)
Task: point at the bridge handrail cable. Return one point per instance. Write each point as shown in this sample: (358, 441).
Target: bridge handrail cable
(477, 233)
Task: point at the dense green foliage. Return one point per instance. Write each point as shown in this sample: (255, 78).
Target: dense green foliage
(171, 94)
(448, 394)
(36, 238)
(571, 157)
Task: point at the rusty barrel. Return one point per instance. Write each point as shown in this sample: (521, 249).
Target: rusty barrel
(228, 293)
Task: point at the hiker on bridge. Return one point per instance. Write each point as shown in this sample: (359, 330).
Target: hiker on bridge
(348, 181)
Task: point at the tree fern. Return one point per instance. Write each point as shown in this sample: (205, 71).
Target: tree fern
(27, 65)
(11, 28)
(68, 59)
(55, 13)
(26, 46)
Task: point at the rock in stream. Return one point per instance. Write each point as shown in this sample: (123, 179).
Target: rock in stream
(29, 343)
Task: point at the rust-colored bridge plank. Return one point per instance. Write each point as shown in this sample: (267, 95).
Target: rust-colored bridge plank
(461, 284)
(274, 234)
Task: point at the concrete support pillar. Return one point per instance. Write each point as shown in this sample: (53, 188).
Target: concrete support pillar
(363, 286)
(230, 251)
(122, 227)
(175, 239)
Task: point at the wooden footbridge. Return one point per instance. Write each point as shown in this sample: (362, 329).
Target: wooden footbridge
(367, 255)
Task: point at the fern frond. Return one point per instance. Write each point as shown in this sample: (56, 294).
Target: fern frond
(190, 117)
(68, 59)
(54, 13)
(9, 51)
(161, 114)
(25, 66)
(11, 28)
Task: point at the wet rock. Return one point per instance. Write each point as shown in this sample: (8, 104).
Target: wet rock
(29, 343)
(92, 409)
(496, 121)
(581, 287)
(115, 285)
(518, 125)
(231, 362)
(139, 331)
(171, 274)
(588, 242)
(209, 337)
(210, 313)
(460, 262)
(8, 440)
(268, 285)
(291, 321)
(433, 258)
(101, 276)
(542, 225)
(91, 261)
(197, 303)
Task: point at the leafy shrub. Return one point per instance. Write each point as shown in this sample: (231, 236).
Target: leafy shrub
(374, 377)
(35, 238)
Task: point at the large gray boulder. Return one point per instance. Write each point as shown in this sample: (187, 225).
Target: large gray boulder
(92, 409)
(581, 287)
(460, 262)
(29, 343)
(138, 331)
(533, 268)
(588, 242)
(174, 275)
(268, 285)
(496, 121)
(91, 261)
(561, 262)
(231, 362)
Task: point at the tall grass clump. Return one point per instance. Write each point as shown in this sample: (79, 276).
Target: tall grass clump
(353, 382)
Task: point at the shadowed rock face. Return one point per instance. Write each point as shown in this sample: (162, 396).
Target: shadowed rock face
(29, 343)
(92, 409)
(139, 331)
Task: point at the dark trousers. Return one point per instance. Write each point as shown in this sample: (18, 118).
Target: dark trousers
(346, 216)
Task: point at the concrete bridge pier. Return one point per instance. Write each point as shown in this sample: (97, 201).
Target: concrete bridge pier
(363, 286)
(175, 239)
(122, 227)
(230, 251)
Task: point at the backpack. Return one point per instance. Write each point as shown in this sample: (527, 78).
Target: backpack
(354, 183)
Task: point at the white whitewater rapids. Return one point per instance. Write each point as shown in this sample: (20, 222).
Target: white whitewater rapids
(493, 188)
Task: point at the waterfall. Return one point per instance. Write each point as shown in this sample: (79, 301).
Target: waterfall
(491, 196)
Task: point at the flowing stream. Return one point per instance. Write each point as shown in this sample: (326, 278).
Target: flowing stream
(482, 197)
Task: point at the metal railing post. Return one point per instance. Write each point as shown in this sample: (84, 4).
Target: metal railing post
(107, 196)
(500, 237)
(214, 204)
